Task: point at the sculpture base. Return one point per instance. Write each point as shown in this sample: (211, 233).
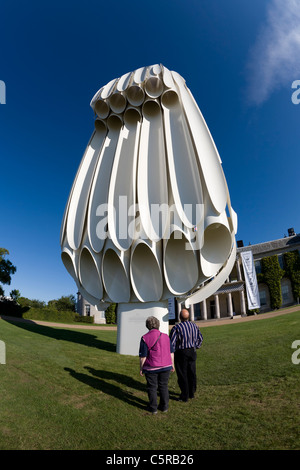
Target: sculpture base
(132, 324)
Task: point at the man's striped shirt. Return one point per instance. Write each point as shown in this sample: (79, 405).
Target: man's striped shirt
(186, 335)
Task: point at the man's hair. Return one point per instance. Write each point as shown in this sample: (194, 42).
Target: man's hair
(152, 323)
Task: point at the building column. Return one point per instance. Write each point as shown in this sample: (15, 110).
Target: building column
(229, 303)
(217, 306)
(238, 270)
(178, 310)
(192, 315)
(204, 310)
(242, 302)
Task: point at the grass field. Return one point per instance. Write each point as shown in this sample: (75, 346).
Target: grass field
(68, 389)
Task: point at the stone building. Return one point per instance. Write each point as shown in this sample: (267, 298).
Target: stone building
(231, 298)
(83, 307)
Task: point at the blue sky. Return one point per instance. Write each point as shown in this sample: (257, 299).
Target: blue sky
(239, 60)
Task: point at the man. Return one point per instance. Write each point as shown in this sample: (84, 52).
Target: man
(186, 338)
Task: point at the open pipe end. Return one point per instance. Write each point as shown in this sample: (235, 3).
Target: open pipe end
(102, 109)
(88, 274)
(169, 98)
(114, 122)
(131, 117)
(147, 284)
(135, 95)
(154, 87)
(216, 248)
(117, 103)
(151, 108)
(114, 277)
(100, 125)
(68, 263)
(179, 252)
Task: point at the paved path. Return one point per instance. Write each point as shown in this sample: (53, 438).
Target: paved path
(202, 323)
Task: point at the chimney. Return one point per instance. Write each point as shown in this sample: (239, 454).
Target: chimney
(291, 232)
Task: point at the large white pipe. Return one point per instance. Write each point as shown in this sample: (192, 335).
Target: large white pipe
(183, 168)
(135, 91)
(180, 261)
(97, 209)
(81, 190)
(124, 82)
(89, 272)
(101, 127)
(154, 85)
(167, 77)
(108, 89)
(211, 287)
(118, 102)
(115, 273)
(208, 155)
(215, 240)
(122, 188)
(217, 244)
(152, 183)
(147, 283)
(70, 261)
(100, 102)
(101, 108)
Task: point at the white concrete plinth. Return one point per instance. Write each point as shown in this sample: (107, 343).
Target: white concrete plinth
(132, 324)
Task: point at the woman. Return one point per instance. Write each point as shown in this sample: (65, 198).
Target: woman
(156, 362)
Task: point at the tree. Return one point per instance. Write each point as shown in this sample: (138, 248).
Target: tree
(34, 303)
(63, 303)
(15, 294)
(6, 267)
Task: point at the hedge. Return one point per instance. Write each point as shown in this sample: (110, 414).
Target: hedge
(271, 275)
(292, 270)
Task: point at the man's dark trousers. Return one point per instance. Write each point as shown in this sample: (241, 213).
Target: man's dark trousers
(185, 366)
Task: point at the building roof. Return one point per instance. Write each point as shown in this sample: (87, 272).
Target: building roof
(272, 245)
(228, 288)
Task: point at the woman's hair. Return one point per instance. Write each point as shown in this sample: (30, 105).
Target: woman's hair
(152, 323)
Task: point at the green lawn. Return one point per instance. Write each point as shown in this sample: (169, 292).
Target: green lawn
(68, 389)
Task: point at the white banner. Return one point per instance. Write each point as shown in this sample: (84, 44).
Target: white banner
(251, 280)
(171, 308)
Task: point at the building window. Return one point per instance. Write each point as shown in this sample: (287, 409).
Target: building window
(281, 261)
(257, 265)
(87, 310)
(263, 298)
(286, 291)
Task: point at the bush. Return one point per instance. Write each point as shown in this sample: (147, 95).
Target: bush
(271, 275)
(110, 314)
(48, 314)
(292, 269)
(11, 309)
(83, 318)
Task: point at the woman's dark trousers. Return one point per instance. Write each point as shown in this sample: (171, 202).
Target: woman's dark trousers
(158, 381)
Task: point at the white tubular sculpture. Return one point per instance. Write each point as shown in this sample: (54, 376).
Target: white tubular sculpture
(146, 218)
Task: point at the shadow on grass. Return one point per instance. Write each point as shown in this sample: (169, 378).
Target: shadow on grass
(99, 381)
(85, 339)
